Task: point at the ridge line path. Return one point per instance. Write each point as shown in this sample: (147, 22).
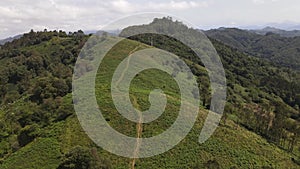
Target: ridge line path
(139, 127)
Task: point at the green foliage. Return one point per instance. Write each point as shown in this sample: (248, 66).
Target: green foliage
(43, 153)
(38, 128)
(83, 158)
(282, 51)
(212, 164)
(28, 134)
(78, 157)
(40, 65)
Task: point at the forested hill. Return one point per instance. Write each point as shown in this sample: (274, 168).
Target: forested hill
(283, 51)
(283, 33)
(39, 129)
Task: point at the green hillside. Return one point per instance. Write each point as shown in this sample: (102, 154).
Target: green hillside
(282, 51)
(39, 129)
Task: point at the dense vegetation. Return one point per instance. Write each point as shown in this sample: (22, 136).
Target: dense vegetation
(39, 129)
(265, 97)
(282, 51)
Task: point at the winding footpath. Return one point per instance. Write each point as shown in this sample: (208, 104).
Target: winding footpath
(139, 126)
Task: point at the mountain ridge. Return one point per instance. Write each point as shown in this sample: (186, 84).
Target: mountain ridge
(283, 51)
(281, 32)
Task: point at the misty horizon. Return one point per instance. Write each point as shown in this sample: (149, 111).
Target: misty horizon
(284, 27)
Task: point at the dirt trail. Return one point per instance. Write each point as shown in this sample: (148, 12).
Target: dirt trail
(139, 126)
(139, 129)
(127, 64)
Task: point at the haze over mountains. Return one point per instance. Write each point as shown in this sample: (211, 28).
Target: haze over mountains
(293, 32)
(281, 32)
(3, 41)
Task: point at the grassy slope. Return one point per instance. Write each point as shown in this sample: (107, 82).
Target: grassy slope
(230, 145)
(43, 153)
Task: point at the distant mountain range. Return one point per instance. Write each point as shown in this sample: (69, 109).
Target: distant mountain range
(3, 41)
(276, 48)
(111, 32)
(280, 32)
(264, 31)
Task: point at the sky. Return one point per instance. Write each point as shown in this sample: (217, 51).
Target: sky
(19, 16)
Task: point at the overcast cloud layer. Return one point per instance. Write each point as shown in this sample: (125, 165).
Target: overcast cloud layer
(19, 16)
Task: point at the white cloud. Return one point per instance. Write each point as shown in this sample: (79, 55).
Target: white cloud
(177, 5)
(8, 12)
(21, 16)
(122, 6)
(263, 1)
(126, 6)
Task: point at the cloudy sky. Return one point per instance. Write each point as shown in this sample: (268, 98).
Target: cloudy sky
(19, 16)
